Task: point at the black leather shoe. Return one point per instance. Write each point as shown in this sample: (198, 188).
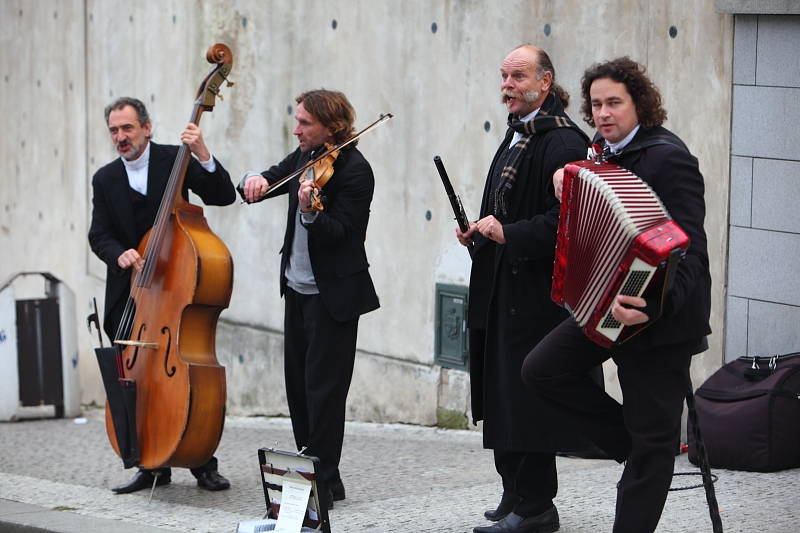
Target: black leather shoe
(597, 453)
(329, 500)
(507, 503)
(547, 522)
(212, 480)
(337, 489)
(143, 479)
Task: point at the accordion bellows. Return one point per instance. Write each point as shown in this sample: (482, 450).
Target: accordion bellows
(614, 237)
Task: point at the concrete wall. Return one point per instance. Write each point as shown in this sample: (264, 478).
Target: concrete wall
(433, 64)
(763, 288)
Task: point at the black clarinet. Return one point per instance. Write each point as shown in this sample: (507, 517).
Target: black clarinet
(455, 201)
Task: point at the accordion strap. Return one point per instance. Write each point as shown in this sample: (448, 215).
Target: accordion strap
(669, 277)
(655, 140)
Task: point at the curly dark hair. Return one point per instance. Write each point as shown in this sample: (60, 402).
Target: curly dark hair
(333, 110)
(646, 96)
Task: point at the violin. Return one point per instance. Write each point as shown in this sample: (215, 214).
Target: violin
(320, 172)
(324, 161)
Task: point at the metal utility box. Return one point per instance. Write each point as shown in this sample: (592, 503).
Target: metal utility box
(38, 350)
(451, 338)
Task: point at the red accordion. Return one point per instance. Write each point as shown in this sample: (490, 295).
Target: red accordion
(614, 237)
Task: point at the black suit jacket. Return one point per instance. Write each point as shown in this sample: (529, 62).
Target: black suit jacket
(113, 228)
(336, 238)
(674, 175)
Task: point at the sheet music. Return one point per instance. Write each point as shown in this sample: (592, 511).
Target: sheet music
(293, 506)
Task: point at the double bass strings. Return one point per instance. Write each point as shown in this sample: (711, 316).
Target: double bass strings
(141, 279)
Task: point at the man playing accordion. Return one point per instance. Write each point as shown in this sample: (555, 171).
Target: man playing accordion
(653, 365)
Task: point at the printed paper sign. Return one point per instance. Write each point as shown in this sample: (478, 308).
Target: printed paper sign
(293, 506)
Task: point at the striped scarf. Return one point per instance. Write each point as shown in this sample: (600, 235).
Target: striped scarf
(550, 116)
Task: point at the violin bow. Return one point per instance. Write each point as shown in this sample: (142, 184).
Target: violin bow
(384, 118)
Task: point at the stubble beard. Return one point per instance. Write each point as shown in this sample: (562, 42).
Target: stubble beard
(134, 153)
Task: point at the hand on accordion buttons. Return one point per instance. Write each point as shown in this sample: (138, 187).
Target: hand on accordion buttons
(627, 310)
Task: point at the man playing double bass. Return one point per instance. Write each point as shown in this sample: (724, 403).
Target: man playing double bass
(324, 278)
(127, 194)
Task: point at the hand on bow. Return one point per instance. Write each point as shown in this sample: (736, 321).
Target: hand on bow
(255, 187)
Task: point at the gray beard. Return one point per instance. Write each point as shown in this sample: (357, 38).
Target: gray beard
(531, 96)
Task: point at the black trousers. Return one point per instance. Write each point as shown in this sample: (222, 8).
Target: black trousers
(531, 476)
(318, 367)
(644, 431)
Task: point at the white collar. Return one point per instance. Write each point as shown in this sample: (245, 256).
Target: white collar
(624, 142)
(529, 117)
(140, 162)
(517, 135)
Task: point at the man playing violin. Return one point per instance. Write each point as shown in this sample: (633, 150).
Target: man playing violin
(325, 280)
(127, 195)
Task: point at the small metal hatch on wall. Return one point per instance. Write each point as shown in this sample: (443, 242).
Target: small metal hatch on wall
(38, 348)
(451, 336)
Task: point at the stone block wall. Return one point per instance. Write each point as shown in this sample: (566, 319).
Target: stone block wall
(763, 302)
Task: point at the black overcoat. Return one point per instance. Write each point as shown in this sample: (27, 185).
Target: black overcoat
(519, 311)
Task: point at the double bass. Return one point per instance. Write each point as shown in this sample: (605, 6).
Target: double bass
(165, 343)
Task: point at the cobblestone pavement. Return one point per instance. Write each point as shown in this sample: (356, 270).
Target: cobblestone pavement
(397, 477)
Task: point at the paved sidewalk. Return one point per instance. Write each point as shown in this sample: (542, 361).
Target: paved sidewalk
(55, 477)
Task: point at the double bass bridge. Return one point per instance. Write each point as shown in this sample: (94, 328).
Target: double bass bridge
(139, 344)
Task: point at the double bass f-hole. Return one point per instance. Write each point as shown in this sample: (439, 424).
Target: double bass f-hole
(132, 361)
(171, 372)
